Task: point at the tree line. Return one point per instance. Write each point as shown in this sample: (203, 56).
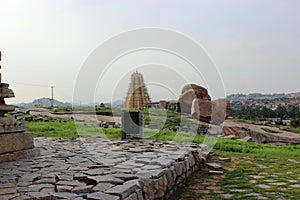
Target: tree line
(291, 112)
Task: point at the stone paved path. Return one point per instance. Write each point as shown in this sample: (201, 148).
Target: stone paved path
(245, 178)
(99, 169)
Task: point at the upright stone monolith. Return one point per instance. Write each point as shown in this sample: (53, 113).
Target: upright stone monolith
(132, 124)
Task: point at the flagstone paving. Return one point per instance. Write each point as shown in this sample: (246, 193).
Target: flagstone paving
(99, 169)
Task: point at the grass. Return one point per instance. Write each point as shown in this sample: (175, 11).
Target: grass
(290, 129)
(57, 129)
(280, 164)
(270, 130)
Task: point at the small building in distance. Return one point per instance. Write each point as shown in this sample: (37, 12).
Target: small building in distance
(162, 105)
(137, 94)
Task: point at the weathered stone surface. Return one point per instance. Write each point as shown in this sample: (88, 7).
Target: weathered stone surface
(201, 109)
(220, 111)
(95, 172)
(82, 189)
(214, 112)
(132, 197)
(19, 197)
(104, 179)
(243, 130)
(70, 183)
(216, 172)
(139, 194)
(188, 94)
(102, 196)
(179, 168)
(263, 186)
(149, 188)
(63, 195)
(15, 142)
(214, 165)
(225, 159)
(123, 190)
(6, 191)
(39, 196)
(125, 177)
(162, 187)
(100, 187)
(64, 188)
(164, 162)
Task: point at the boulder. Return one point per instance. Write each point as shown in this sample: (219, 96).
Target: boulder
(214, 112)
(220, 111)
(202, 92)
(188, 94)
(201, 110)
(195, 100)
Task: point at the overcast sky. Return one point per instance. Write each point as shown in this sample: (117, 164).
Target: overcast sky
(255, 44)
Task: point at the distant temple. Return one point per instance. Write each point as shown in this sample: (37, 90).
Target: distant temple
(137, 94)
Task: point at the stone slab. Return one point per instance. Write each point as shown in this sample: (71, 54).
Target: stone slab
(12, 142)
(23, 154)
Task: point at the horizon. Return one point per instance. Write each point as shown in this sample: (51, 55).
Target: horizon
(157, 100)
(254, 45)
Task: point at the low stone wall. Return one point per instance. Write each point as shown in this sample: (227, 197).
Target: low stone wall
(161, 185)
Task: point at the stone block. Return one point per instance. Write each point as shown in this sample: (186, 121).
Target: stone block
(102, 196)
(23, 154)
(12, 142)
(123, 190)
(132, 124)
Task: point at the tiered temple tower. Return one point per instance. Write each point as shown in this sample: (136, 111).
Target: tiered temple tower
(137, 94)
(15, 142)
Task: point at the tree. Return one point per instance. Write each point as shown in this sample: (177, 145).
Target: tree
(281, 112)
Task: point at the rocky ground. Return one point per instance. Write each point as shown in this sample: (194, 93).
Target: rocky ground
(256, 133)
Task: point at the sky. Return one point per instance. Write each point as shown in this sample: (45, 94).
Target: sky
(254, 45)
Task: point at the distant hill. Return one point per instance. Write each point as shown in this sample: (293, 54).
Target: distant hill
(46, 102)
(115, 104)
(257, 101)
(256, 96)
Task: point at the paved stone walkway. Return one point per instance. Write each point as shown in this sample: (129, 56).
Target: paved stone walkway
(244, 177)
(99, 169)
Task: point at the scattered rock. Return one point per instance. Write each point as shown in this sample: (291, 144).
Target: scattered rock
(227, 196)
(216, 172)
(263, 186)
(214, 166)
(225, 159)
(295, 186)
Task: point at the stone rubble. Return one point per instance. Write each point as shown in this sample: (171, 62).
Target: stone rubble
(89, 168)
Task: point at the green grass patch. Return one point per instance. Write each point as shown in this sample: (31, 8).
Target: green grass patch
(270, 130)
(58, 129)
(290, 129)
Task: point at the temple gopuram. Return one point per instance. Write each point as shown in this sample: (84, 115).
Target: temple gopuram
(137, 94)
